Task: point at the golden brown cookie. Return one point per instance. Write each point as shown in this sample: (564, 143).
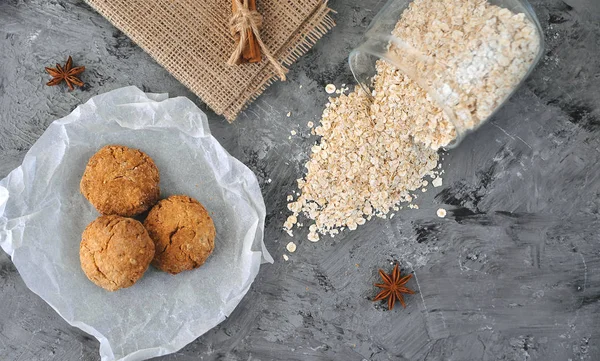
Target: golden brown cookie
(120, 180)
(115, 252)
(183, 234)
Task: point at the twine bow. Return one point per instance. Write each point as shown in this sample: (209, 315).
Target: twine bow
(243, 20)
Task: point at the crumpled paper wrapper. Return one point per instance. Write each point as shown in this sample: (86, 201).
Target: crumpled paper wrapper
(42, 216)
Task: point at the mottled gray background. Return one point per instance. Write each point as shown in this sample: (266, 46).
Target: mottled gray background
(512, 273)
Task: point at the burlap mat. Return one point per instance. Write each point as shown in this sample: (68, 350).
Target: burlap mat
(191, 39)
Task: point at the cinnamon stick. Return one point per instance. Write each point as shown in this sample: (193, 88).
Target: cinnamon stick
(251, 52)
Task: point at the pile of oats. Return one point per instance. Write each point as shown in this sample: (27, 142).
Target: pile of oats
(464, 58)
(362, 167)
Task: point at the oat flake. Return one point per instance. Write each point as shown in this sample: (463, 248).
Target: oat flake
(441, 213)
(291, 247)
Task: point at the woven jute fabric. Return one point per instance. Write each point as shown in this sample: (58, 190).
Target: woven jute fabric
(192, 40)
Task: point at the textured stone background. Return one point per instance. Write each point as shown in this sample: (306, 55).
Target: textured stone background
(512, 273)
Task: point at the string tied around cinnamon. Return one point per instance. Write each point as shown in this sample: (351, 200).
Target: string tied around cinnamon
(242, 20)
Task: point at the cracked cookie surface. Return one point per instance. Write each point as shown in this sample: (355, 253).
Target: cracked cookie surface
(121, 180)
(115, 251)
(183, 234)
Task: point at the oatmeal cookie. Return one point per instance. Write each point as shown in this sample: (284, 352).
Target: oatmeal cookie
(115, 252)
(120, 180)
(183, 234)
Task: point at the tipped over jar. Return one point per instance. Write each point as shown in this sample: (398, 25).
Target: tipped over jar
(444, 67)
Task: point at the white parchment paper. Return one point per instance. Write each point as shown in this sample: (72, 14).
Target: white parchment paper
(42, 216)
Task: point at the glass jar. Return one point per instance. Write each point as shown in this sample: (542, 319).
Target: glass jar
(448, 83)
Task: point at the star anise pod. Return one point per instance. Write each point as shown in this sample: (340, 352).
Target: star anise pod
(68, 74)
(393, 287)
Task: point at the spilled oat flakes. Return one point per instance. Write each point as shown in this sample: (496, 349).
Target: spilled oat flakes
(375, 149)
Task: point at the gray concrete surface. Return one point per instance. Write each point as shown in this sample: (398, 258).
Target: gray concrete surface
(512, 273)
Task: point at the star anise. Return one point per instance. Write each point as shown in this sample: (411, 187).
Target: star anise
(68, 74)
(392, 287)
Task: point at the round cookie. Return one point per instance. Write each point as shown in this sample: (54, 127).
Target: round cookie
(115, 251)
(183, 234)
(120, 180)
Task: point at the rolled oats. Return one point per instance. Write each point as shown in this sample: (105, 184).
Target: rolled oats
(469, 54)
(357, 170)
(291, 247)
(464, 57)
(441, 213)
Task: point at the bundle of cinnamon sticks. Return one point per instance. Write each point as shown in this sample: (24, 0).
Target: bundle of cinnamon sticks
(251, 53)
